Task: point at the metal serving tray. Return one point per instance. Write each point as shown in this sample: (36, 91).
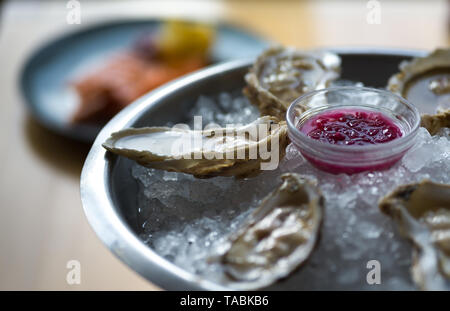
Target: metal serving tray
(109, 192)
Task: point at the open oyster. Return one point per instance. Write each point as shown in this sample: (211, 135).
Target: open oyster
(241, 151)
(422, 211)
(279, 236)
(281, 75)
(426, 83)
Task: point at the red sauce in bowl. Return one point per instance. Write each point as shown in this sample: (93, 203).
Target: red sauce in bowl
(347, 127)
(351, 127)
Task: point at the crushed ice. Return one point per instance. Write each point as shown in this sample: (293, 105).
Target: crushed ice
(185, 219)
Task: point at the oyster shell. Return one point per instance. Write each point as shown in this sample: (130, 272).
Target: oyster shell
(433, 123)
(280, 75)
(422, 212)
(279, 235)
(426, 83)
(241, 151)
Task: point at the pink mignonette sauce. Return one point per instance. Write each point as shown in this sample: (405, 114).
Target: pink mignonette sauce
(351, 127)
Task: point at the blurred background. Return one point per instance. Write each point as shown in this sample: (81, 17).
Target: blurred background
(42, 224)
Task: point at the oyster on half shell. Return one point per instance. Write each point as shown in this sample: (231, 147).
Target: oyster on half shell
(425, 82)
(240, 151)
(280, 75)
(422, 212)
(278, 236)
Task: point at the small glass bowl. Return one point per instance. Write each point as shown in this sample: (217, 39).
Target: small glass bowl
(352, 159)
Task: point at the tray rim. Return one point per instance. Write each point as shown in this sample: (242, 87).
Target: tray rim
(97, 201)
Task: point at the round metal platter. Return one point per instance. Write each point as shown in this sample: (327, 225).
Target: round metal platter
(109, 192)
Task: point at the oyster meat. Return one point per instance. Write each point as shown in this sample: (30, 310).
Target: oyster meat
(278, 237)
(422, 212)
(426, 83)
(241, 151)
(280, 75)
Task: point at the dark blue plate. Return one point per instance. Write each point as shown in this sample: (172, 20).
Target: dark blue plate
(46, 75)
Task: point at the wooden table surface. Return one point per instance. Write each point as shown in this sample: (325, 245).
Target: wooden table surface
(42, 225)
